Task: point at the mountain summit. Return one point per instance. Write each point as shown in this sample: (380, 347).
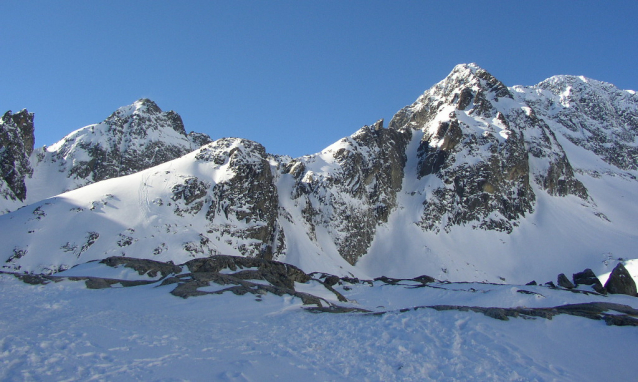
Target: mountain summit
(131, 139)
(473, 181)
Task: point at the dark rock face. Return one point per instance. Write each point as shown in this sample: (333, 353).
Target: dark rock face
(199, 139)
(564, 282)
(492, 190)
(190, 196)
(621, 282)
(247, 196)
(276, 273)
(143, 266)
(588, 277)
(369, 169)
(556, 176)
(16, 145)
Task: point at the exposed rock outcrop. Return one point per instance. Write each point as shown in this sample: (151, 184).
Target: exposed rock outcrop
(564, 282)
(361, 191)
(592, 311)
(588, 277)
(621, 282)
(16, 145)
(150, 268)
(244, 204)
(276, 273)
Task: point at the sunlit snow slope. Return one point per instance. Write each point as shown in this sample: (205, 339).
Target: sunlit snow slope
(133, 138)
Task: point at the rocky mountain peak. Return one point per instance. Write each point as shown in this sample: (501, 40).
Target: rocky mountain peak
(477, 140)
(469, 86)
(147, 105)
(143, 115)
(131, 139)
(592, 114)
(597, 99)
(141, 106)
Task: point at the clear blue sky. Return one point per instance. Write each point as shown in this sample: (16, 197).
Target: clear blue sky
(292, 75)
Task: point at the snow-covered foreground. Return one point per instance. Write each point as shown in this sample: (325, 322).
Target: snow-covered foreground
(63, 331)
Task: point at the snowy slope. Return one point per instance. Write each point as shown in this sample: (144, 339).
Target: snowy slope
(65, 331)
(474, 181)
(169, 212)
(131, 139)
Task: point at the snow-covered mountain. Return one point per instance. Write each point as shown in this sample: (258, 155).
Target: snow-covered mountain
(474, 181)
(133, 138)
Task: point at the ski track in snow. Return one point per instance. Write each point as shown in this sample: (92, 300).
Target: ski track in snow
(65, 332)
(144, 204)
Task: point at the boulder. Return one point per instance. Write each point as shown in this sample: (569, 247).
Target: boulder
(564, 282)
(331, 280)
(588, 277)
(621, 282)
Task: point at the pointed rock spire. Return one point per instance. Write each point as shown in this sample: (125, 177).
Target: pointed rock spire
(621, 282)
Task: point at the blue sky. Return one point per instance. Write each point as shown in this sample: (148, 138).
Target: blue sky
(292, 75)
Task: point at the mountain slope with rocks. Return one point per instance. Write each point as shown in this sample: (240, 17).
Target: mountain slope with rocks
(475, 181)
(131, 139)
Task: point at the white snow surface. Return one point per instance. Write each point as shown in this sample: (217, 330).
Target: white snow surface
(63, 331)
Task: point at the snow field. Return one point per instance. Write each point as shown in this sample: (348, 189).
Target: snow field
(66, 332)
